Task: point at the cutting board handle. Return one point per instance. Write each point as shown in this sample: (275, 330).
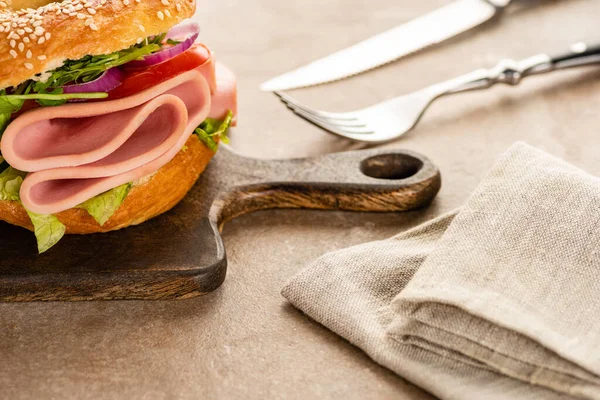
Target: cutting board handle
(376, 180)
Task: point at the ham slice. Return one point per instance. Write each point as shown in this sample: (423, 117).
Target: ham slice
(225, 97)
(77, 151)
(208, 69)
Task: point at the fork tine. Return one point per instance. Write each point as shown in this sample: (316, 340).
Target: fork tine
(333, 128)
(287, 99)
(355, 123)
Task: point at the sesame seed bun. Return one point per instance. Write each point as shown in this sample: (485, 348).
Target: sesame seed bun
(33, 41)
(147, 199)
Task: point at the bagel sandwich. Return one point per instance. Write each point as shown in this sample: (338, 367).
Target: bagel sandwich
(109, 112)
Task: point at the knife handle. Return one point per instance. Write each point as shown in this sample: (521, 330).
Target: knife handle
(579, 54)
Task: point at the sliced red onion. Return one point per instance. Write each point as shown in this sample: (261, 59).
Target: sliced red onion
(110, 79)
(191, 31)
(183, 31)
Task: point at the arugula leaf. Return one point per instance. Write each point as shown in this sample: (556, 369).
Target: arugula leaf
(48, 230)
(212, 131)
(9, 104)
(103, 206)
(4, 121)
(88, 68)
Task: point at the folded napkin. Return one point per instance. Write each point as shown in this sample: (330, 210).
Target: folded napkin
(498, 300)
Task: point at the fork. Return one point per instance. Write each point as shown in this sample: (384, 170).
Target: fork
(386, 121)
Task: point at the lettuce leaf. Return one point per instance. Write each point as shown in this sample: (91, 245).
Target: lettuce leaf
(48, 230)
(10, 183)
(212, 131)
(103, 206)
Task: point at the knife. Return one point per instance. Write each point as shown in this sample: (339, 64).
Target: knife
(435, 27)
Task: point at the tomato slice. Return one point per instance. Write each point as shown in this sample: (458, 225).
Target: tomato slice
(139, 79)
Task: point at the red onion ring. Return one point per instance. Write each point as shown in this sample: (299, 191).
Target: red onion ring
(170, 52)
(110, 79)
(183, 31)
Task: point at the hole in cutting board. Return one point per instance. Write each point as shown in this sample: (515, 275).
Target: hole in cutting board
(391, 166)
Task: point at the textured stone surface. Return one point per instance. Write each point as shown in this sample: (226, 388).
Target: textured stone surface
(243, 340)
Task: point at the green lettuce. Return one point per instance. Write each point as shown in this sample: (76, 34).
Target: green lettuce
(103, 206)
(10, 183)
(212, 131)
(48, 230)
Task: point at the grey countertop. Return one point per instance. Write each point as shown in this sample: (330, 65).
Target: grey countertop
(244, 341)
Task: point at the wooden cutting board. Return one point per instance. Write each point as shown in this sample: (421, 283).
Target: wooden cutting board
(180, 254)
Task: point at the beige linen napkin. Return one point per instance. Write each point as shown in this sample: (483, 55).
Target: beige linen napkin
(499, 300)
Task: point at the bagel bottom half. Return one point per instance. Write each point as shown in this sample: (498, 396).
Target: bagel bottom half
(156, 195)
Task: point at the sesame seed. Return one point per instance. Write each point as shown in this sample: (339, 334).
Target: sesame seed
(28, 29)
(37, 23)
(47, 35)
(165, 2)
(79, 7)
(91, 11)
(28, 65)
(10, 34)
(81, 16)
(139, 40)
(13, 43)
(178, 7)
(15, 36)
(39, 31)
(160, 15)
(28, 54)
(3, 4)
(88, 21)
(93, 27)
(42, 57)
(20, 31)
(26, 39)
(73, 14)
(126, 2)
(32, 36)
(167, 13)
(142, 28)
(21, 47)
(41, 40)
(103, 2)
(13, 53)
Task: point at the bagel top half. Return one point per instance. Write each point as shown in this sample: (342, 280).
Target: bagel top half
(33, 41)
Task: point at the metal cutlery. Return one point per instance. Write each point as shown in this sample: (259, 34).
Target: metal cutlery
(435, 27)
(391, 119)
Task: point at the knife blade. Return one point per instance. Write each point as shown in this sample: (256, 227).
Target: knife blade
(424, 31)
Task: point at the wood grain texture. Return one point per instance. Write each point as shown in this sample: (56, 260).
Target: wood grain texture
(180, 254)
